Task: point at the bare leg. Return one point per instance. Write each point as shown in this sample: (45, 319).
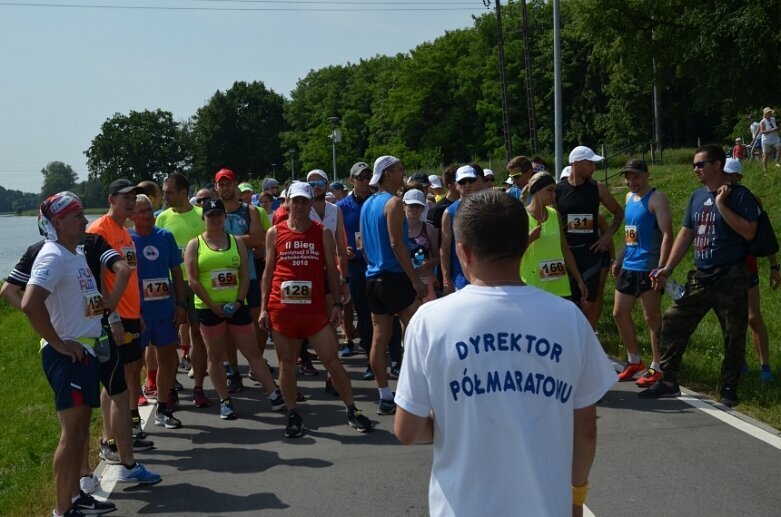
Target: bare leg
(214, 340)
(287, 350)
(652, 304)
(166, 374)
(74, 424)
(622, 314)
(759, 333)
(244, 338)
(325, 344)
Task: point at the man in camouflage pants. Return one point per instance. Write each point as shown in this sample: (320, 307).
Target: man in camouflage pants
(720, 218)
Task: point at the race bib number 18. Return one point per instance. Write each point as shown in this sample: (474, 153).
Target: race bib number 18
(631, 235)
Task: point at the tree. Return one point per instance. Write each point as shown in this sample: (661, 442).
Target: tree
(57, 177)
(239, 129)
(138, 146)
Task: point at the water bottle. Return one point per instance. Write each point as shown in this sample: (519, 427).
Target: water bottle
(130, 336)
(229, 308)
(674, 290)
(418, 259)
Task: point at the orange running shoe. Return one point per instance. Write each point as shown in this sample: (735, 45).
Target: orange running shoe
(649, 379)
(630, 370)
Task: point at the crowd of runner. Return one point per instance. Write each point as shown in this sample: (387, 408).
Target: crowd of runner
(172, 277)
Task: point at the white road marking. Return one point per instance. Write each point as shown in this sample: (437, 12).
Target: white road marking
(587, 512)
(715, 409)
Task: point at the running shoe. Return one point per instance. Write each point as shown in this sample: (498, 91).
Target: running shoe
(142, 401)
(168, 420)
(386, 407)
(359, 422)
(307, 368)
(660, 389)
(295, 426)
(89, 484)
(88, 505)
(395, 369)
(368, 375)
(765, 375)
(226, 410)
(329, 388)
(138, 427)
(150, 392)
(347, 350)
(234, 384)
(276, 400)
(251, 376)
(630, 370)
(649, 378)
(199, 398)
(191, 372)
(72, 512)
(178, 385)
(729, 397)
(138, 474)
(300, 396)
(141, 445)
(109, 452)
(185, 363)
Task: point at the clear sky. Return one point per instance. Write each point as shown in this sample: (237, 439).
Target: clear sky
(64, 71)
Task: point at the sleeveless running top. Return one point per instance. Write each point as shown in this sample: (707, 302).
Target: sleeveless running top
(543, 261)
(329, 220)
(298, 283)
(376, 240)
(457, 274)
(643, 236)
(218, 272)
(579, 209)
(238, 223)
(420, 242)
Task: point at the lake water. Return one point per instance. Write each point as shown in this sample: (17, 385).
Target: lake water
(16, 234)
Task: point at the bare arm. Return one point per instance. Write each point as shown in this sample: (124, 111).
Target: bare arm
(253, 239)
(121, 271)
(444, 252)
(268, 273)
(412, 429)
(340, 238)
(243, 271)
(331, 274)
(584, 444)
(395, 217)
(609, 202)
(12, 294)
(180, 314)
(660, 206)
(191, 264)
(680, 247)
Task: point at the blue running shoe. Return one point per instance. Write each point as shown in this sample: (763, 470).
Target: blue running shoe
(226, 410)
(138, 474)
(386, 407)
(765, 375)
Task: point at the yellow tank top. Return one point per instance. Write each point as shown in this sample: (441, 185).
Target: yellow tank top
(218, 272)
(543, 262)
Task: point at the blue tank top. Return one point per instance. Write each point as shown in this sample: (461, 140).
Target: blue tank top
(238, 223)
(459, 279)
(376, 239)
(643, 237)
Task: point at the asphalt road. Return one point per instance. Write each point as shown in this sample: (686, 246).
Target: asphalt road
(654, 457)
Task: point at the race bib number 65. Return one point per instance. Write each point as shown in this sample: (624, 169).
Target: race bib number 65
(223, 279)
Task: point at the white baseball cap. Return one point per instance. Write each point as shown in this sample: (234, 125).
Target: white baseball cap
(414, 197)
(508, 181)
(733, 166)
(582, 152)
(435, 181)
(465, 171)
(299, 189)
(488, 172)
(380, 164)
(565, 172)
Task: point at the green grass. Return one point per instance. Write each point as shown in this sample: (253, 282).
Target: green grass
(701, 369)
(29, 430)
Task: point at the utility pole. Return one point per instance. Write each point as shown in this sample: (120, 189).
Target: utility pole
(508, 144)
(529, 88)
(557, 111)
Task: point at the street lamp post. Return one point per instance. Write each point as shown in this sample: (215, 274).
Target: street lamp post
(292, 171)
(274, 170)
(336, 137)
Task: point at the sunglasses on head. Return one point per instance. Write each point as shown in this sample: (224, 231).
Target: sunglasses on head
(700, 165)
(467, 181)
(317, 183)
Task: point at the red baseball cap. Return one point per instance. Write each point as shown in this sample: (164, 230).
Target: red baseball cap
(224, 173)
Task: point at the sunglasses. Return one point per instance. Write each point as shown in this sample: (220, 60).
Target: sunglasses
(467, 181)
(363, 177)
(201, 200)
(489, 179)
(700, 165)
(317, 183)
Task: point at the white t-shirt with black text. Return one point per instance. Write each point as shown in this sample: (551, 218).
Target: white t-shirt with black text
(502, 369)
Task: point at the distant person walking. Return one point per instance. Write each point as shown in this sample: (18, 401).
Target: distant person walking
(771, 141)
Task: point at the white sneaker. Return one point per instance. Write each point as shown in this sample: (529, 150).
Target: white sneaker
(89, 484)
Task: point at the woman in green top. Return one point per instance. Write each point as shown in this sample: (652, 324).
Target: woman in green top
(547, 259)
(219, 276)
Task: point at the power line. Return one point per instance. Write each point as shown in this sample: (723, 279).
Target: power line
(241, 9)
(330, 2)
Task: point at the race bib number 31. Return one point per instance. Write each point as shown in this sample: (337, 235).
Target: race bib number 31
(580, 223)
(156, 289)
(223, 279)
(296, 292)
(552, 269)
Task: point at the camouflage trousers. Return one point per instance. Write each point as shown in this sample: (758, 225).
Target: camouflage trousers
(727, 294)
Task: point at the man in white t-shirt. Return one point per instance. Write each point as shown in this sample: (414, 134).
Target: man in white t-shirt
(503, 378)
(64, 306)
